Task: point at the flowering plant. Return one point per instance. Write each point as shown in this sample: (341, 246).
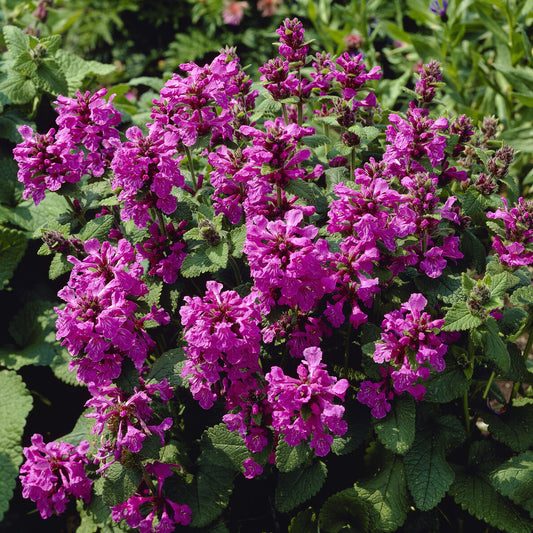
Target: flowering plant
(281, 291)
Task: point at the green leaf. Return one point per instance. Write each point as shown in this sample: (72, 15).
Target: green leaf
(119, 484)
(475, 205)
(495, 348)
(12, 247)
(197, 262)
(446, 386)
(17, 87)
(97, 228)
(514, 479)
(58, 266)
(357, 417)
(514, 427)
(473, 491)
(344, 511)
(81, 430)
(218, 255)
(443, 288)
(169, 365)
(50, 77)
(523, 296)
(428, 474)
(237, 237)
(397, 430)
(15, 404)
(225, 447)
(296, 487)
(386, 492)
(17, 41)
(501, 283)
(304, 522)
(289, 458)
(459, 318)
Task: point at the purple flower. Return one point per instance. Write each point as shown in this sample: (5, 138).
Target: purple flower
(125, 419)
(46, 163)
(353, 74)
(292, 46)
(303, 408)
(163, 515)
(439, 7)
(251, 468)
(53, 472)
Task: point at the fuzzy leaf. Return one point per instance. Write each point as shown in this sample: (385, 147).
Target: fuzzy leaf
(50, 77)
(442, 288)
(514, 427)
(289, 458)
(58, 266)
(296, 487)
(475, 205)
(12, 247)
(237, 237)
(344, 511)
(15, 404)
(495, 348)
(428, 474)
(523, 296)
(169, 366)
(229, 446)
(386, 492)
(218, 254)
(514, 479)
(197, 263)
(501, 283)
(397, 430)
(443, 387)
(17, 41)
(473, 491)
(17, 87)
(304, 522)
(459, 318)
(97, 228)
(119, 484)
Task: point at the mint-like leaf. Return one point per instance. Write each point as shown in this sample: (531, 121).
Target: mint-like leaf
(397, 430)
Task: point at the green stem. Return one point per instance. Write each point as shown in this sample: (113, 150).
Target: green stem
(285, 113)
(235, 268)
(491, 379)
(161, 222)
(352, 163)
(79, 216)
(466, 413)
(191, 167)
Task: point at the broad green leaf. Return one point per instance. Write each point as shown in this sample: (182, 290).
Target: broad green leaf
(304, 522)
(15, 404)
(428, 474)
(501, 283)
(237, 237)
(17, 87)
(58, 266)
(443, 387)
(459, 318)
(218, 254)
(39, 354)
(119, 484)
(443, 288)
(296, 487)
(229, 447)
(197, 262)
(314, 141)
(17, 41)
(514, 427)
(97, 228)
(473, 491)
(344, 511)
(514, 479)
(289, 458)
(386, 492)
(495, 348)
(523, 296)
(60, 367)
(397, 430)
(12, 247)
(50, 77)
(358, 418)
(169, 365)
(475, 205)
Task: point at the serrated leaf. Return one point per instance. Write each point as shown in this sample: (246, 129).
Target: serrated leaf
(119, 484)
(218, 255)
(523, 296)
(17, 41)
(17, 87)
(15, 404)
(472, 247)
(459, 318)
(97, 228)
(81, 430)
(304, 522)
(224, 447)
(501, 283)
(475, 205)
(197, 263)
(289, 458)
(314, 141)
(169, 365)
(443, 288)
(50, 77)
(513, 427)
(357, 417)
(397, 430)
(60, 367)
(296, 487)
(237, 237)
(473, 491)
(495, 348)
(12, 247)
(58, 266)
(344, 511)
(514, 479)
(386, 492)
(428, 474)
(209, 493)
(443, 387)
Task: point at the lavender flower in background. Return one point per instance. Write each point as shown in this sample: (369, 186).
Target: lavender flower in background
(439, 7)
(53, 473)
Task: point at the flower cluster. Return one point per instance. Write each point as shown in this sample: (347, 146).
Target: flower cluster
(98, 324)
(303, 407)
(411, 347)
(164, 514)
(125, 418)
(53, 472)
